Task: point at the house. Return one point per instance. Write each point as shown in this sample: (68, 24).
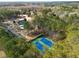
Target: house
(29, 19)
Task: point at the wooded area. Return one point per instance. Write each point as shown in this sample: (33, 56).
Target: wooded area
(65, 28)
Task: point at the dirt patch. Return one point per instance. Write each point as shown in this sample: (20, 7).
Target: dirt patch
(2, 54)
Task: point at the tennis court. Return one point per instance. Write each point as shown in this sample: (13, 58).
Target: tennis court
(47, 42)
(39, 46)
(42, 42)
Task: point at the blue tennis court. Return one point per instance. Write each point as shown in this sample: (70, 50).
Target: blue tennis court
(39, 46)
(47, 42)
(42, 43)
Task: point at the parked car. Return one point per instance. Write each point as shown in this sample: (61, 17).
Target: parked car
(21, 23)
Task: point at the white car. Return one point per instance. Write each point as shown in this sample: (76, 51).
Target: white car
(21, 26)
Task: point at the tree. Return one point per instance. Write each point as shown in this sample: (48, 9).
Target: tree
(49, 23)
(14, 46)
